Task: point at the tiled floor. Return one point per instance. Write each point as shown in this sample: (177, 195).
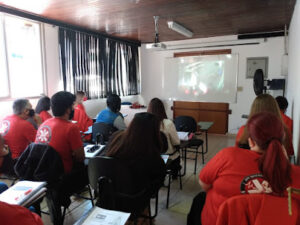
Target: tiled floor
(180, 200)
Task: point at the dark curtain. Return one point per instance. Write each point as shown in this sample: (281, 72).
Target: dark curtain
(98, 65)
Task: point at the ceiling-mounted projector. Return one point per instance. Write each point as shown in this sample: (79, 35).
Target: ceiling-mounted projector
(156, 46)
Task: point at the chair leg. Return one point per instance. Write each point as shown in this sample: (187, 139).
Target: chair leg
(150, 217)
(91, 195)
(180, 180)
(202, 155)
(196, 161)
(63, 215)
(168, 194)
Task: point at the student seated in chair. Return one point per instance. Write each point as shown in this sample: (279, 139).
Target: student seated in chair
(264, 103)
(264, 169)
(140, 146)
(42, 108)
(64, 136)
(16, 130)
(83, 120)
(111, 115)
(167, 126)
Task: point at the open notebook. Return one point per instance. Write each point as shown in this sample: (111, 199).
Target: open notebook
(23, 192)
(99, 216)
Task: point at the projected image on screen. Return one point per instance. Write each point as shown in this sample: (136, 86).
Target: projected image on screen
(198, 78)
(211, 78)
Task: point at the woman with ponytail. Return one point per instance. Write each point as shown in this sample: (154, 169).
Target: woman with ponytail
(264, 169)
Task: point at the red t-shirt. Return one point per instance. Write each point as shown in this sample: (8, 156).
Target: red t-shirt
(14, 214)
(239, 135)
(287, 121)
(63, 136)
(17, 133)
(83, 120)
(45, 115)
(233, 171)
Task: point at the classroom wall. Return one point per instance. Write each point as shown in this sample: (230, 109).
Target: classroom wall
(293, 79)
(53, 77)
(152, 67)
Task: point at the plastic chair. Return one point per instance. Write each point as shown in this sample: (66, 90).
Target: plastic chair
(102, 132)
(170, 170)
(113, 183)
(188, 124)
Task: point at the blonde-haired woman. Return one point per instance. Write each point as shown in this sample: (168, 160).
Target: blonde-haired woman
(264, 103)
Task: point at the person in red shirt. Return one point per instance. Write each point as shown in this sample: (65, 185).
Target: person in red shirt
(16, 131)
(283, 104)
(83, 120)
(64, 136)
(264, 103)
(14, 214)
(42, 108)
(263, 169)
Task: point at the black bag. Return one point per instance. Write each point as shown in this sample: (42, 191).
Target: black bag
(194, 216)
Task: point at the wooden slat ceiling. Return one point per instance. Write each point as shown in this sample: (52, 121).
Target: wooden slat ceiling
(133, 19)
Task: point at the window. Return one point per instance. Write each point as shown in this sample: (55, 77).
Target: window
(21, 71)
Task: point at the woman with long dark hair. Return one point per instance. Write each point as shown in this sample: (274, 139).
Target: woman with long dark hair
(167, 126)
(42, 108)
(264, 169)
(139, 146)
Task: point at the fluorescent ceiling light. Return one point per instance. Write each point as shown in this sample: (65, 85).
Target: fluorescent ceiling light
(180, 29)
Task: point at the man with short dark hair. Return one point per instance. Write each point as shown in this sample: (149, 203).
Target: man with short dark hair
(16, 131)
(111, 115)
(64, 137)
(283, 104)
(60, 133)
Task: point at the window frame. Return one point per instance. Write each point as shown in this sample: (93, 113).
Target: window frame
(42, 56)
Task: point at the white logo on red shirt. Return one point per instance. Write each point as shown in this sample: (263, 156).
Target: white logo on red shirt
(255, 184)
(4, 127)
(44, 135)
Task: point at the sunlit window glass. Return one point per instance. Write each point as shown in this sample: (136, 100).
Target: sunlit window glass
(24, 57)
(4, 89)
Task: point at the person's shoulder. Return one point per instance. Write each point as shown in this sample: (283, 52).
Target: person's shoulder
(11, 117)
(168, 122)
(234, 150)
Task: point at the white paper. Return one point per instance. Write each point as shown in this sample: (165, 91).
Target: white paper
(21, 192)
(101, 216)
(183, 136)
(165, 158)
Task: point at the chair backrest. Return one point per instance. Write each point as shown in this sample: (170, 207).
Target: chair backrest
(102, 132)
(116, 189)
(257, 209)
(185, 124)
(39, 162)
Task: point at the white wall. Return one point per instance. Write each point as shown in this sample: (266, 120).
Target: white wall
(293, 81)
(152, 67)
